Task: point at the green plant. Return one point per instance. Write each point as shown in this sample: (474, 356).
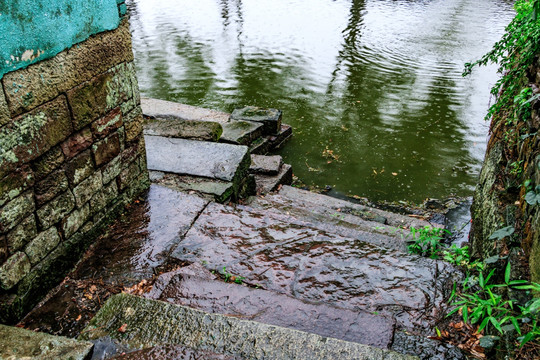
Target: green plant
(228, 276)
(516, 168)
(426, 241)
(532, 197)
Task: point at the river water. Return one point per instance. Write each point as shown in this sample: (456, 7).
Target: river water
(372, 88)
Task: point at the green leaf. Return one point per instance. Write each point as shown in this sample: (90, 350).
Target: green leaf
(502, 233)
(492, 259)
(488, 341)
(507, 273)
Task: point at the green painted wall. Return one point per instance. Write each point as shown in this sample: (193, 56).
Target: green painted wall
(34, 30)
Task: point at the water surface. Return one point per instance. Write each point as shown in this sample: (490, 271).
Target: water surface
(372, 88)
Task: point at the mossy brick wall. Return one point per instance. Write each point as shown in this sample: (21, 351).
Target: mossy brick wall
(72, 156)
(499, 198)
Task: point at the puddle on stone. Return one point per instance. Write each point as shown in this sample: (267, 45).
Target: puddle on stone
(132, 250)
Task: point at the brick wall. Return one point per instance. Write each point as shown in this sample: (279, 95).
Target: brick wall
(71, 156)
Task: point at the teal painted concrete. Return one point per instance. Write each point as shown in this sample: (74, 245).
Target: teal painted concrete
(34, 30)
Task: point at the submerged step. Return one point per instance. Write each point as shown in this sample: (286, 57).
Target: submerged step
(197, 158)
(19, 343)
(268, 183)
(273, 308)
(143, 323)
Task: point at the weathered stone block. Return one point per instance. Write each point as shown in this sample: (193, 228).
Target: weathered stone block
(112, 169)
(4, 111)
(128, 106)
(86, 189)
(42, 245)
(77, 143)
(21, 234)
(31, 135)
(95, 98)
(43, 81)
(75, 220)
(105, 150)
(107, 124)
(55, 210)
(104, 197)
(79, 168)
(270, 118)
(133, 124)
(134, 83)
(51, 186)
(15, 183)
(13, 270)
(16, 210)
(128, 175)
(48, 162)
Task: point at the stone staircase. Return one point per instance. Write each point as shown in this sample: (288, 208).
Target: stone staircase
(208, 152)
(289, 274)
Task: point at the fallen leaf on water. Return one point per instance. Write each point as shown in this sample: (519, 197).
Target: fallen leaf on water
(395, 174)
(122, 328)
(78, 317)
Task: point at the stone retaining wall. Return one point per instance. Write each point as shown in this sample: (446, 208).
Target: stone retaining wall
(499, 200)
(72, 156)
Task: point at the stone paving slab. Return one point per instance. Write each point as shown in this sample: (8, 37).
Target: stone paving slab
(270, 118)
(196, 158)
(286, 255)
(171, 110)
(19, 343)
(146, 323)
(173, 352)
(216, 296)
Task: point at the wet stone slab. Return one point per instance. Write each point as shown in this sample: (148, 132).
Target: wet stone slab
(241, 132)
(196, 158)
(272, 308)
(19, 343)
(140, 242)
(288, 256)
(267, 165)
(173, 352)
(146, 323)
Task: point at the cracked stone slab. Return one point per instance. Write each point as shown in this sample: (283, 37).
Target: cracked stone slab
(290, 256)
(147, 323)
(171, 110)
(218, 297)
(196, 158)
(19, 343)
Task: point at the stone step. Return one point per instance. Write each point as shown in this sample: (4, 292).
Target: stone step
(155, 108)
(19, 343)
(184, 129)
(265, 165)
(241, 132)
(242, 302)
(319, 208)
(270, 118)
(268, 183)
(218, 190)
(143, 323)
(290, 256)
(197, 158)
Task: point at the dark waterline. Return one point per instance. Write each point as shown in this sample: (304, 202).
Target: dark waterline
(373, 89)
